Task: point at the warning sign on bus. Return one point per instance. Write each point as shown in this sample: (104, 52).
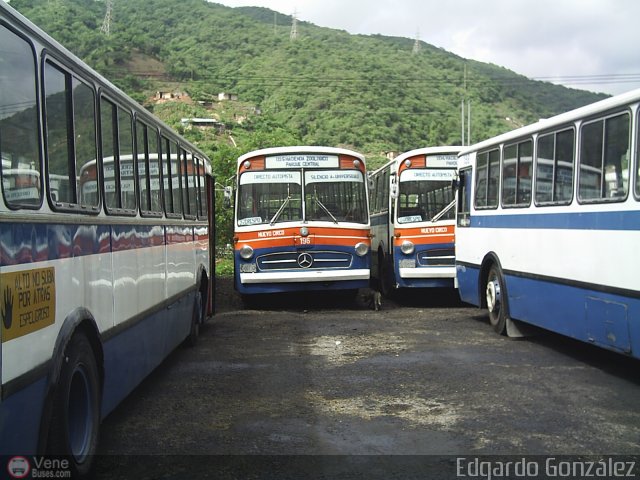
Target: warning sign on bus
(27, 301)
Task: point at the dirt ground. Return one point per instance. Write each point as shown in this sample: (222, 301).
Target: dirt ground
(326, 384)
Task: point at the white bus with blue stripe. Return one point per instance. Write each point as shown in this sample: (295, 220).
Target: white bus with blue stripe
(548, 225)
(105, 229)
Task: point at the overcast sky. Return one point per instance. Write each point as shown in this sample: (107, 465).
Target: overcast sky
(589, 44)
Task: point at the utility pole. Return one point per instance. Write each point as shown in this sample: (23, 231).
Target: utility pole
(468, 107)
(294, 26)
(106, 23)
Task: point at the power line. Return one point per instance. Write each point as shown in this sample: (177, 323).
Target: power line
(277, 80)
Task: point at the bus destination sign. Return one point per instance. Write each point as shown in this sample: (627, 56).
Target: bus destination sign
(302, 161)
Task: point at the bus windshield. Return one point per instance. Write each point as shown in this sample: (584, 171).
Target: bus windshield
(425, 195)
(276, 196)
(335, 196)
(269, 197)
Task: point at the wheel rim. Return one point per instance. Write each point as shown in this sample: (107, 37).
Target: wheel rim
(493, 293)
(80, 419)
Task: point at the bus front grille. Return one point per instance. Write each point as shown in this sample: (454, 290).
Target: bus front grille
(304, 260)
(437, 257)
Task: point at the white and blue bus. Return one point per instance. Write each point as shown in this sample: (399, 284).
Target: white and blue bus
(548, 225)
(104, 261)
(413, 220)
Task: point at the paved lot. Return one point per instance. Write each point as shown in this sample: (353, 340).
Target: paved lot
(319, 377)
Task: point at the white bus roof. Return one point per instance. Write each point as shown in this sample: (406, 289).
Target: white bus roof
(563, 118)
(299, 149)
(420, 151)
(427, 151)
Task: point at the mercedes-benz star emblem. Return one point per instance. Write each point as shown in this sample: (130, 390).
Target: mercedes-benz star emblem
(305, 260)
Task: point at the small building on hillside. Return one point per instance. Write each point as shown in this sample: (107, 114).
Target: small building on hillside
(171, 96)
(203, 123)
(227, 96)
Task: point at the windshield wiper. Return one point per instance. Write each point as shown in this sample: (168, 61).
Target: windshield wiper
(321, 205)
(444, 211)
(280, 210)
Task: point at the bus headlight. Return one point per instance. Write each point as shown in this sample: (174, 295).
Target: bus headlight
(407, 247)
(362, 249)
(246, 252)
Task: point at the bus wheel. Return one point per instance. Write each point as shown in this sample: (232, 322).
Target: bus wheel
(496, 300)
(75, 422)
(385, 277)
(196, 320)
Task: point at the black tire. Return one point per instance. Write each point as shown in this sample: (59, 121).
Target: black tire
(496, 298)
(75, 421)
(196, 320)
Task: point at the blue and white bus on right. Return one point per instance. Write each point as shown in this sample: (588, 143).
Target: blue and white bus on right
(548, 225)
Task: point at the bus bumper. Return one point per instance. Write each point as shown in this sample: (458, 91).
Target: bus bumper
(306, 276)
(430, 272)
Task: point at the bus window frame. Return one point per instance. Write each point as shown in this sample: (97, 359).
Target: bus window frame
(37, 128)
(187, 156)
(517, 144)
(555, 132)
(463, 196)
(636, 160)
(498, 188)
(603, 117)
(69, 73)
(119, 210)
(176, 210)
(138, 120)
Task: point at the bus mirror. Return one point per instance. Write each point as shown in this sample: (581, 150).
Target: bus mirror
(228, 194)
(455, 183)
(370, 182)
(394, 190)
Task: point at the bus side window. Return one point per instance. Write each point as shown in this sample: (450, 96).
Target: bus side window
(142, 160)
(176, 177)
(127, 172)
(154, 170)
(487, 179)
(117, 156)
(70, 141)
(464, 198)
(637, 169)
(19, 140)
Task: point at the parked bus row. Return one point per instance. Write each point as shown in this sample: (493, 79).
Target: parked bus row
(302, 220)
(106, 222)
(545, 231)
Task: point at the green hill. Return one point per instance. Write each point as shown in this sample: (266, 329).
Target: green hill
(327, 87)
(370, 93)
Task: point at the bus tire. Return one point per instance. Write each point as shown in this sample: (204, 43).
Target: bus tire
(75, 421)
(385, 276)
(496, 298)
(196, 320)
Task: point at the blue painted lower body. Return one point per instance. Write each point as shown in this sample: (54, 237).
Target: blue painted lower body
(609, 320)
(128, 358)
(135, 352)
(427, 267)
(425, 282)
(20, 419)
